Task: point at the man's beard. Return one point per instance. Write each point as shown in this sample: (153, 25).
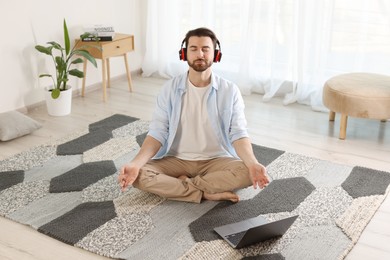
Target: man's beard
(199, 66)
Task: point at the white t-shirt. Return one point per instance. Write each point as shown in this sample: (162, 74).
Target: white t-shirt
(195, 138)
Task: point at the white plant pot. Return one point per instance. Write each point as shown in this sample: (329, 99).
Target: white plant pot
(60, 106)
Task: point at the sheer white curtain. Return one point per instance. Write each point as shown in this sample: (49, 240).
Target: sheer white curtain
(275, 47)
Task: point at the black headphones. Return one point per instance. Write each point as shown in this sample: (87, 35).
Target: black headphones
(183, 52)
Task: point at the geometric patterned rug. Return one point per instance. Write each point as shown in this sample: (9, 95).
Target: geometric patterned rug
(68, 190)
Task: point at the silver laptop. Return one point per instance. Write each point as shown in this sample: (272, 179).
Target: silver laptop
(253, 230)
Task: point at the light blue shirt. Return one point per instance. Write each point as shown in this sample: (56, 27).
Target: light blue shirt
(225, 107)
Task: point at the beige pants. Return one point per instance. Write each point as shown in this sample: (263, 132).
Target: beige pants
(211, 176)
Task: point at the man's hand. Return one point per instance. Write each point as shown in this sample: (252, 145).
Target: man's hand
(127, 175)
(129, 172)
(258, 175)
(257, 171)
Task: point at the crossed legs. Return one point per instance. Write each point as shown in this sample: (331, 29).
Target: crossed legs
(192, 181)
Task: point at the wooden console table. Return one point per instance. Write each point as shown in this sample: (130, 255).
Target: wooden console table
(119, 46)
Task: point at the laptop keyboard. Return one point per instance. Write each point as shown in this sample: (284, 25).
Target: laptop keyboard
(235, 238)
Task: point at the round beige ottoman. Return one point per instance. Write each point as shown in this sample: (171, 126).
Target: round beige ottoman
(364, 95)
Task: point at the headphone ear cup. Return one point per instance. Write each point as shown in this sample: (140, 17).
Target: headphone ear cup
(183, 54)
(217, 56)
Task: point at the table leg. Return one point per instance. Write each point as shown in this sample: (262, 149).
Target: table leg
(108, 73)
(332, 115)
(343, 126)
(104, 79)
(128, 73)
(84, 77)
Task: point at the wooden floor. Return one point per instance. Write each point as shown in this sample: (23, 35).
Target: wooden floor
(294, 128)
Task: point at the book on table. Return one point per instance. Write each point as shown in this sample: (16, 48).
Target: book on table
(99, 32)
(97, 38)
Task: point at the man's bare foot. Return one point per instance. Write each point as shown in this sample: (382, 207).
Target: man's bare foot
(182, 177)
(227, 195)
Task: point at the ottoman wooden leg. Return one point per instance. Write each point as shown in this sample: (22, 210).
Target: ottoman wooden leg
(343, 126)
(332, 115)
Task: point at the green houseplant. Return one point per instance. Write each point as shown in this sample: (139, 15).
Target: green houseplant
(64, 58)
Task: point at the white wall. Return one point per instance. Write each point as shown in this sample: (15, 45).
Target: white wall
(25, 23)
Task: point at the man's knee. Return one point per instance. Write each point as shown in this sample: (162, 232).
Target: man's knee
(145, 178)
(238, 169)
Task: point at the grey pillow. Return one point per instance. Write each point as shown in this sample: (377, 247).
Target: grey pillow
(14, 124)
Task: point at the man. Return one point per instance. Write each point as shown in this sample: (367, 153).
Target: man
(197, 138)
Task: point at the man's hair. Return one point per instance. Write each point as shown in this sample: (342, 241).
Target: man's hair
(201, 32)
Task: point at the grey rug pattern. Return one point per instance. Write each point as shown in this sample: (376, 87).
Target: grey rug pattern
(68, 190)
